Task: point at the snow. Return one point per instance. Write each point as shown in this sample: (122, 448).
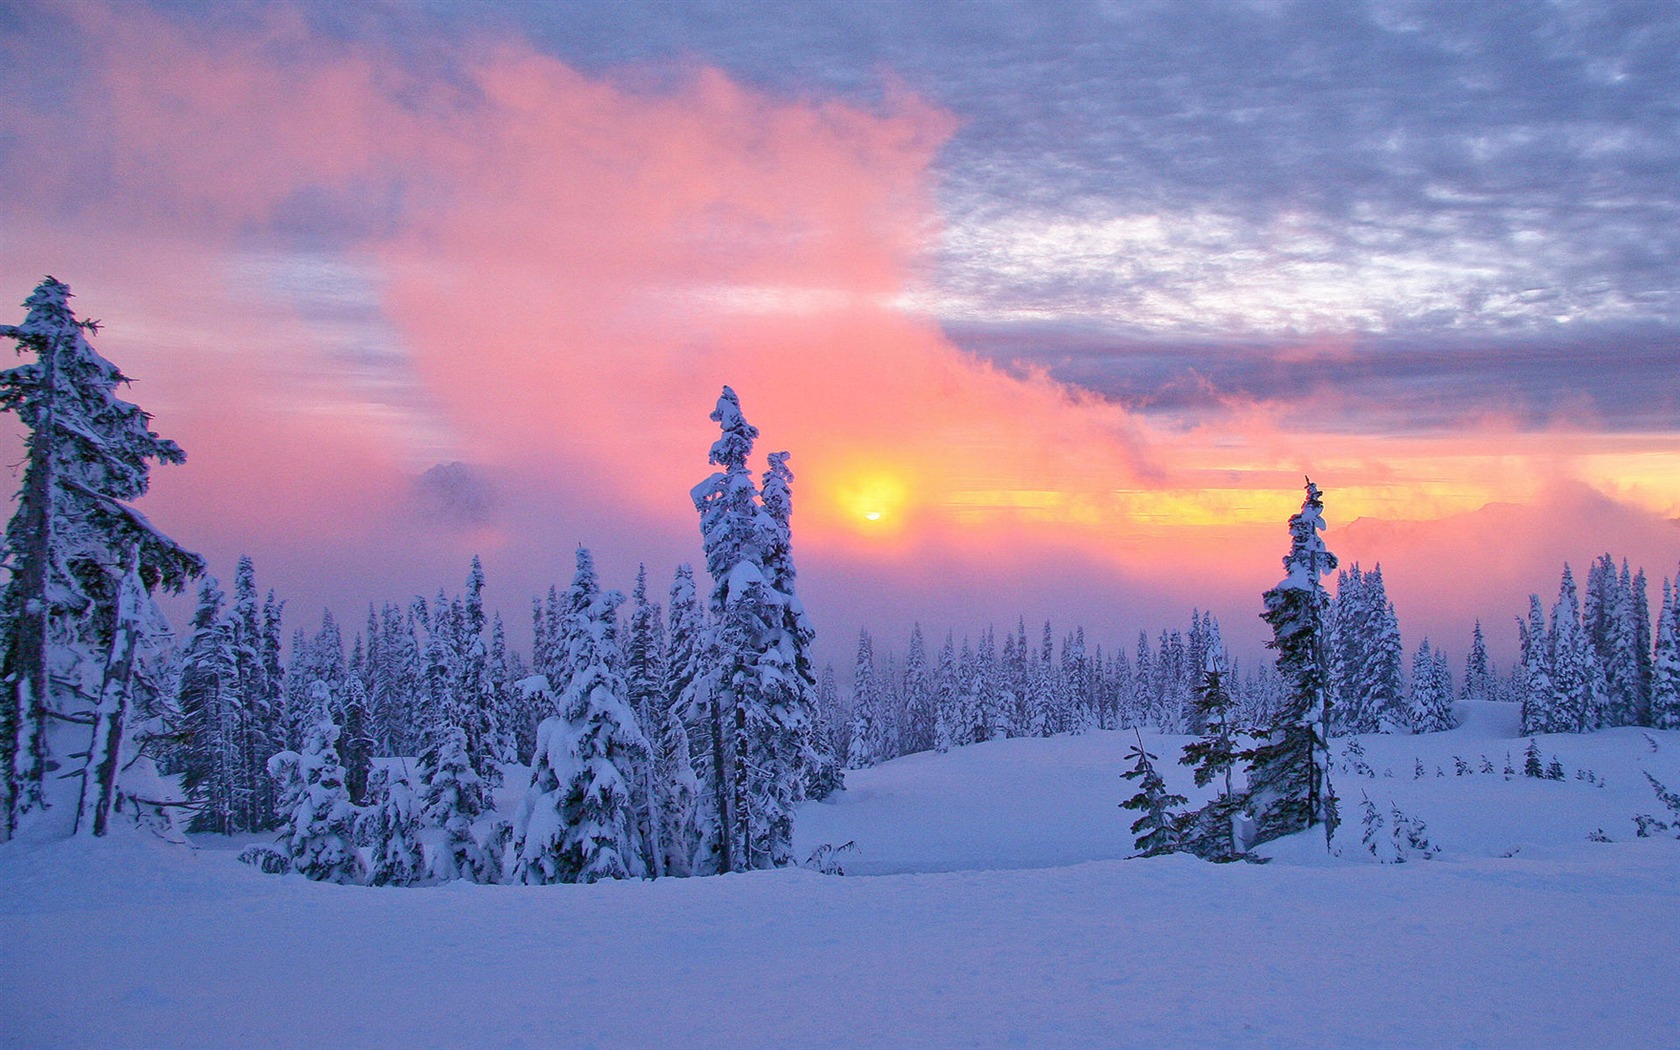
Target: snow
(987, 904)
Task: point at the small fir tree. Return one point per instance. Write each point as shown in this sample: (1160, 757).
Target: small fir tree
(1157, 828)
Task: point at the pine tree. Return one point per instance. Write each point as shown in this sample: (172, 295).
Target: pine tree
(1431, 699)
(578, 823)
(390, 825)
(948, 717)
(259, 698)
(734, 530)
(984, 700)
(452, 797)
(1289, 775)
(212, 720)
(1665, 674)
(826, 774)
(918, 697)
(1208, 833)
(786, 749)
(355, 743)
(678, 762)
(1214, 755)
(1610, 625)
(1480, 683)
(320, 829)
(1537, 697)
(869, 723)
(644, 682)
(76, 643)
(1365, 655)
(1577, 677)
(475, 695)
(1157, 828)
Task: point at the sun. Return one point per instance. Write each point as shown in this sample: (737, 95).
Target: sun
(874, 499)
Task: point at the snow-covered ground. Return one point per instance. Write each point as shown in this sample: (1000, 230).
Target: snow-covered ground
(987, 905)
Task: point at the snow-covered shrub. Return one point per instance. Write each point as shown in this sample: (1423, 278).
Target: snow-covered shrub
(265, 859)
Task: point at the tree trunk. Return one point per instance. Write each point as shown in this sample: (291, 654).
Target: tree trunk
(720, 782)
(99, 778)
(24, 745)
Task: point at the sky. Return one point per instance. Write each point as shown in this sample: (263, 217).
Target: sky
(1054, 305)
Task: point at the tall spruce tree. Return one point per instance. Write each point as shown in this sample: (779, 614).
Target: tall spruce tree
(787, 748)
(756, 678)
(75, 643)
(1289, 769)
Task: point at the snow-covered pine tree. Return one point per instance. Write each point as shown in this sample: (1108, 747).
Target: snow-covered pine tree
(644, 683)
(1538, 700)
(211, 758)
(918, 696)
(1577, 677)
(1665, 674)
(1480, 681)
(1365, 655)
(319, 834)
(584, 828)
(869, 729)
(678, 762)
(390, 825)
(259, 698)
(452, 797)
(475, 695)
(1157, 828)
(1208, 833)
(1289, 768)
(1609, 623)
(1038, 714)
(734, 530)
(355, 742)
(1431, 698)
(985, 699)
(1645, 658)
(948, 719)
(787, 748)
(75, 641)
(1079, 694)
(392, 673)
